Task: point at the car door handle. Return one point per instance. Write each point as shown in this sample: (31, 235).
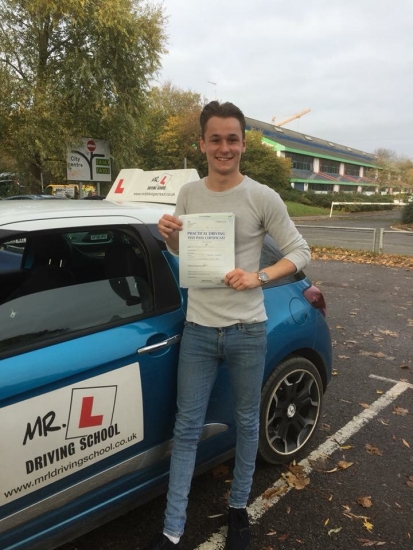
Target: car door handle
(160, 345)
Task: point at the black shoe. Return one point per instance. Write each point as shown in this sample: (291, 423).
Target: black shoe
(239, 535)
(163, 543)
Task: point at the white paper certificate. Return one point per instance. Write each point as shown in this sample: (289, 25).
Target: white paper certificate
(206, 249)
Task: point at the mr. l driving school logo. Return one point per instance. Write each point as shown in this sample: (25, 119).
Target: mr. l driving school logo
(160, 182)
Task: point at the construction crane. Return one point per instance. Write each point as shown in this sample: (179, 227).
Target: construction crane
(292, 117)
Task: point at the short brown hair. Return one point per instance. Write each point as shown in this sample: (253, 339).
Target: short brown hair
(222, 110)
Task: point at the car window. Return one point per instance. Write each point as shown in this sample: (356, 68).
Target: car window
(271, 254)
(11, 252)
(63, 284)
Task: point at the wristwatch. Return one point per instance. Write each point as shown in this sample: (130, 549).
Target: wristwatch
(263, 277)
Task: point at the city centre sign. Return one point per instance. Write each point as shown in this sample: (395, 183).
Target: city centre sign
(89, 161)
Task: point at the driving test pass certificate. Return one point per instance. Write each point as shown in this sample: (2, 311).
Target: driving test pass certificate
(206, 249)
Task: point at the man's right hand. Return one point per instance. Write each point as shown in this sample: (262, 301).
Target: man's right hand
(167, 227)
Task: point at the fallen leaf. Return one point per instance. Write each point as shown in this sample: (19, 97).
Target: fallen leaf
(389, 333)
(373, 450)
(334, 372)
(409, 481)
(215, 516)
(331, 531)
(339, 327)
(343, 357)
(352, 312)
(297, 482)
(326, 522)
(343, 465)
(283, 537)
(368, 525)
(400, 411)
(346, 447)
(367, 542)
(364, 405)
(364, 501)
(405, 443)
(271, 533)
(405, 367)
(379, 392)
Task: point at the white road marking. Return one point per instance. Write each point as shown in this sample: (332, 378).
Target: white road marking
(258, 508)
(383, 379)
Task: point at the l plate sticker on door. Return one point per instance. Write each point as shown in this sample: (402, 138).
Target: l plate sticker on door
(48, 437)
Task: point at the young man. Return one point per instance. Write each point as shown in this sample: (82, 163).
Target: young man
(225, 326)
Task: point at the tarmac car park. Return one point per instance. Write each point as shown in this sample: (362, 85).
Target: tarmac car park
(91, 315)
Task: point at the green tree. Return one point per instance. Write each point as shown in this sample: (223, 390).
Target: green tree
(262, 164)
(75, 68)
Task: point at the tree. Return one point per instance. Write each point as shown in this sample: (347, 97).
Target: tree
(75, 68)
(170, 133)
(262, 164)
(395, 171)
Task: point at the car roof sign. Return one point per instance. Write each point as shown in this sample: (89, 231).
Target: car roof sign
(159, 186)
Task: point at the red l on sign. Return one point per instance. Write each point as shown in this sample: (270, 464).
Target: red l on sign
(119, 188)
(87, 419)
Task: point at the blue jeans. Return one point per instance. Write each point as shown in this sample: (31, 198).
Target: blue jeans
(241, 348)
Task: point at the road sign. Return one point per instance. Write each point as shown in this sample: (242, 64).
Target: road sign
(89, 160)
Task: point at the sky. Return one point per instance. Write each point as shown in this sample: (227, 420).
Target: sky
(349, 61)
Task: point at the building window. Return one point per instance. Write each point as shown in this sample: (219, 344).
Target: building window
(329, 166)
(300, 162)
(352, 170)
(327, 187)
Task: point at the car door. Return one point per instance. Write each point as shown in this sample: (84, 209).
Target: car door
(91, 320)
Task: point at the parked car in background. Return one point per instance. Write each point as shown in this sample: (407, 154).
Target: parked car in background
(91, 317)
(69, 190)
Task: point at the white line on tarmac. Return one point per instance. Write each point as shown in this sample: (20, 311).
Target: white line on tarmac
(390, 380)
(258, 508)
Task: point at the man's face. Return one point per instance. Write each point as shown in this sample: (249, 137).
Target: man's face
(223, 145)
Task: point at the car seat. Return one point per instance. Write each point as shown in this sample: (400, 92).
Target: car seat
(121, 261)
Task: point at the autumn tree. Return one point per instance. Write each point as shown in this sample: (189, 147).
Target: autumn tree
(394, 171)
(73, 68)
(261, 163)
(170, 132)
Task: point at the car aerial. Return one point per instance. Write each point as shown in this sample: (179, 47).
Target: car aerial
(91, 317)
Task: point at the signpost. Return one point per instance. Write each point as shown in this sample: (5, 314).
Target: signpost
(89, 161)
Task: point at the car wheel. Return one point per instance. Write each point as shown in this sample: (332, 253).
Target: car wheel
(291, 402)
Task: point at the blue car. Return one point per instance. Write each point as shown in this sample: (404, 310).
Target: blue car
(91, 316)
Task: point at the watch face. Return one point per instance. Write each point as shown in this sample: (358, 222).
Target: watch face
(263, 277)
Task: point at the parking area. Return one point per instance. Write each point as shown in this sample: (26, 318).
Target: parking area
(354, 488)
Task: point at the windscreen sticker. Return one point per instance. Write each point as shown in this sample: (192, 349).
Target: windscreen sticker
(54, 435)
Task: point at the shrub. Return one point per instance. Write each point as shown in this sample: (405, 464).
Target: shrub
(407, 213)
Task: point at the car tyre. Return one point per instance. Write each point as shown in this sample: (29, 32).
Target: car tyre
(291, 402)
